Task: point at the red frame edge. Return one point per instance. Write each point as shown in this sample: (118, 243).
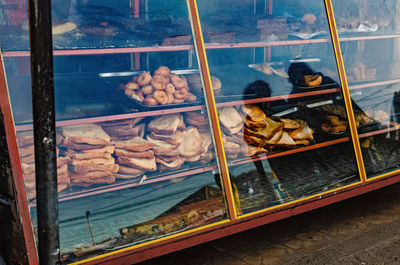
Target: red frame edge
(240, 225)
(22, 202)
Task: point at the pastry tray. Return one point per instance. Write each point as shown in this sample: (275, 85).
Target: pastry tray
(116, 78)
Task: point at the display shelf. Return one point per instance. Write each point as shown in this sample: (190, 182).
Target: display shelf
(288, 152)
(386, 130)
(138, 181)
(372, 84)
(27, 127)
(95, 51)
(275, 98)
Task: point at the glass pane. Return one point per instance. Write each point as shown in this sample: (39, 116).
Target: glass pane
(370, 51)
(279, 100)
(136, 159)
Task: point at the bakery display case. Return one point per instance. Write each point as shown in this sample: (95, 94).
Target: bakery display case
(369, 33)
(183, 121)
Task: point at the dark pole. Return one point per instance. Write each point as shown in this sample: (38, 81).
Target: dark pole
(44, 130)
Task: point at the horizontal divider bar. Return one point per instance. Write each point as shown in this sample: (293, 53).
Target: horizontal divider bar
(100, 51)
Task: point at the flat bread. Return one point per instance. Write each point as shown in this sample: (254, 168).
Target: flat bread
(136, 144)
(163, 148)
(286, 140)
(126, 176)
(81, 147)
(302, 133)
(234, 130)
(165, 124)
(176, 163)
(138, 163)
(84, 156)
(175, 138)
(130, 170)
(25, 138)
(27, 150)
(93, 161)
(149, 154)
(83, 169)
(86, 134)
(191, 144)
(93, 177)
(290, 124)
(229, 117)
(275, 138)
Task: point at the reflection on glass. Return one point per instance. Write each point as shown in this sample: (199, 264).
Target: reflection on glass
(372, 68)
(283, 118)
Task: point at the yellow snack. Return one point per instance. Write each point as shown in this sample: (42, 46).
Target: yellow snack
(313, 80)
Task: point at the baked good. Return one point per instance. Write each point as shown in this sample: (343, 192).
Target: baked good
(84, 168)
(91, 134)
(285, 140)
(229, 117)
(93, 161)
(82, 156)
(166, 124)
(275, 138)
(130, 171)
(253, 113)
(149, 154)
(173, 164)
(302, 133)
(163, 148)
(290, 124)
(136, 144)
(138, 163)
(191, 144)
(266, 132)
(175, 138)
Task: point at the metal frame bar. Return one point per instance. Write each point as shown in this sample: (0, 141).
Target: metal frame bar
(40, 33)
(345, 89)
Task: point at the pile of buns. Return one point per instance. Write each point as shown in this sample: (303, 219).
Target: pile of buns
(27, 156)
(161, 88)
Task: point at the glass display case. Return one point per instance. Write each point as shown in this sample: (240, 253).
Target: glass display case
(174, 117)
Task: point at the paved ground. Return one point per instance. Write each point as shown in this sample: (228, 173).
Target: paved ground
(363, 230)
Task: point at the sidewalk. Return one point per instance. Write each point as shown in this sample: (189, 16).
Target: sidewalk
(362, 230)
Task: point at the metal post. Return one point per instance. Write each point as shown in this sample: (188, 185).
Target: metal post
(44, 130)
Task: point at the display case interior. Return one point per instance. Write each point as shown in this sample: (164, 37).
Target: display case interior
(137, 159)
(373, 77)
(280, 104)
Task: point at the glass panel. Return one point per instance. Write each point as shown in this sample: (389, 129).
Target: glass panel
(279, 100)
(136, 160)
(370, 49)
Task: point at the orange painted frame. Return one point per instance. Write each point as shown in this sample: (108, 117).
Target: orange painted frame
(22, 201)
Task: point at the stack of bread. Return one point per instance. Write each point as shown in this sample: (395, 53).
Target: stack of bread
(162, 88)
(200, 121)
(167, 133)
(90, 149)
(195, 83)
(26, 150)
(134, 157)
(232, 125)
(123, 129)
(261, 131)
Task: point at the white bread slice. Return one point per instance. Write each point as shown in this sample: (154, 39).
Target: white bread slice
(83, 169)
(191, 144)
(163, 148)
(149, 154)
(175, 138)
(86, 134)
(173, 164)
(253, 113)
(206, 141)
(139, 163)
(83, 156)
(302, 133)
(130, 170)
(275, 138)
(136, 144)
(93, 161)
(229, 117)
(165, 124)
(286, 140)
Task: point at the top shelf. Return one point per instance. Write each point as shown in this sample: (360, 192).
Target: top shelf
(191, 47)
